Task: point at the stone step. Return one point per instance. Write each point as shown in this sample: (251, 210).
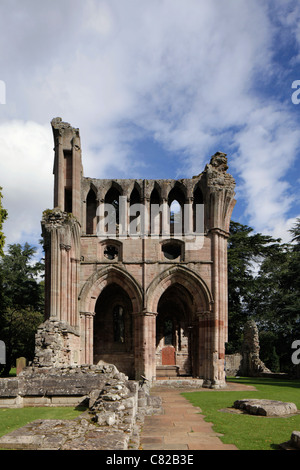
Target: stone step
(167, 371)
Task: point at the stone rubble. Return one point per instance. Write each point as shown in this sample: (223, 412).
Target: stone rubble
(265, 407)
(116, 408)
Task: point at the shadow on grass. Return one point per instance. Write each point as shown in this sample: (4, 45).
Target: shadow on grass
(277, 382)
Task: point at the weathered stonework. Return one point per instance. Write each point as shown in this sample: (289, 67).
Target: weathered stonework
(251, 364)
(125, 297)
(56, 344)
(247, 362)
(116, 408)
(262, 407)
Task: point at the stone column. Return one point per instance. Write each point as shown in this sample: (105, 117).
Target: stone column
(145, 345)
(61, 235)
(76, 177)
(87, 337)
(219, 322)
(165, 219)
(215, 323)
(188, 217)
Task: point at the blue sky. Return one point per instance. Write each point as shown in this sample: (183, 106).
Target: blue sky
(155, 87)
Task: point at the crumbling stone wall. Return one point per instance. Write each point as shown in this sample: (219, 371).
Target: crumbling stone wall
(248, 362)
(233, 364)
(114, 403)
(56, 344)
(251, 364)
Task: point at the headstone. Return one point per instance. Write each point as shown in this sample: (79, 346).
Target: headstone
(2, 353)
(21, 364)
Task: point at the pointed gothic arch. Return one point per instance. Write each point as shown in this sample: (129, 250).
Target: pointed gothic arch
(180, 274)
(103, 277)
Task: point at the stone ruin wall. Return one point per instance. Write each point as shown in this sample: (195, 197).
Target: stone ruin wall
(113, 403)
(247, 363)
(56, 344)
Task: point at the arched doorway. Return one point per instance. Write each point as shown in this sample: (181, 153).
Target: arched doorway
(113, 337)
(174, 332)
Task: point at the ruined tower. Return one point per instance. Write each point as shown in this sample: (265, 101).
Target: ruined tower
(136, 270)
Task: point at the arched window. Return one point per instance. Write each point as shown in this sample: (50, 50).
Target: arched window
(155, 213)
(176, 202)
(112, 214)
(198, 211)
(135, 218)
(91, 211)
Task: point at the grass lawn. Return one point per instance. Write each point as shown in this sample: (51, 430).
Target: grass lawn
(249, 432)
(14, 418)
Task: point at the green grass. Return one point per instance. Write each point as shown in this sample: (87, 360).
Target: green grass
(14, 418)
(249, 432)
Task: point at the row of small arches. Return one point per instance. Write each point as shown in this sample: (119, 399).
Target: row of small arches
(176, 200)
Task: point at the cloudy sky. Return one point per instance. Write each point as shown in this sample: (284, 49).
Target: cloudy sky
(156, 87)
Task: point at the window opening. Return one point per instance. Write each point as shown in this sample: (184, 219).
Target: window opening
(171, 250)
(111, 252)
(168, 332)
(119, 324)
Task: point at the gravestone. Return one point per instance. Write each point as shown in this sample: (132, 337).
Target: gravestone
(2, 353)
(20, 364)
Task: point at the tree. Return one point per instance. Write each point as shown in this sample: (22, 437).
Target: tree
(3, 216)
(270, 294)
(21, 301)
(246, 251)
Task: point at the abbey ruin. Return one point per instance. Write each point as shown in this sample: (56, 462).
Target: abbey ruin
(128, 280)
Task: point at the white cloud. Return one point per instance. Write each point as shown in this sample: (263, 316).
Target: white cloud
(26, 167)
(267, 148)
(184, 73)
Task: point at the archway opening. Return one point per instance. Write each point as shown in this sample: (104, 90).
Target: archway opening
(91, 213)
(113, 338)
(174, 333)
(176, 200)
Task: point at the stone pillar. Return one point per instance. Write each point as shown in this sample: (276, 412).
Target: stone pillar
(67, 167)
(219, 320)
(145, 345)
(76, 177)
(165, 219)
(188, 217)
(87, 337)
(61, 235)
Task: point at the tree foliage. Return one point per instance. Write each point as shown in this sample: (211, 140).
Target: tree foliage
(246, 251)
(3, 216)
(21, 301)
(264, 284)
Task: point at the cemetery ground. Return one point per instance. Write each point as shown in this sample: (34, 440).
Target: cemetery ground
(246, 432)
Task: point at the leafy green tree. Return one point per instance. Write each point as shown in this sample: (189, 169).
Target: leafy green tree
(279, 297)
(21, 301)
(3, 216)
(246, 251)
(270, 294)
(268, 353)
